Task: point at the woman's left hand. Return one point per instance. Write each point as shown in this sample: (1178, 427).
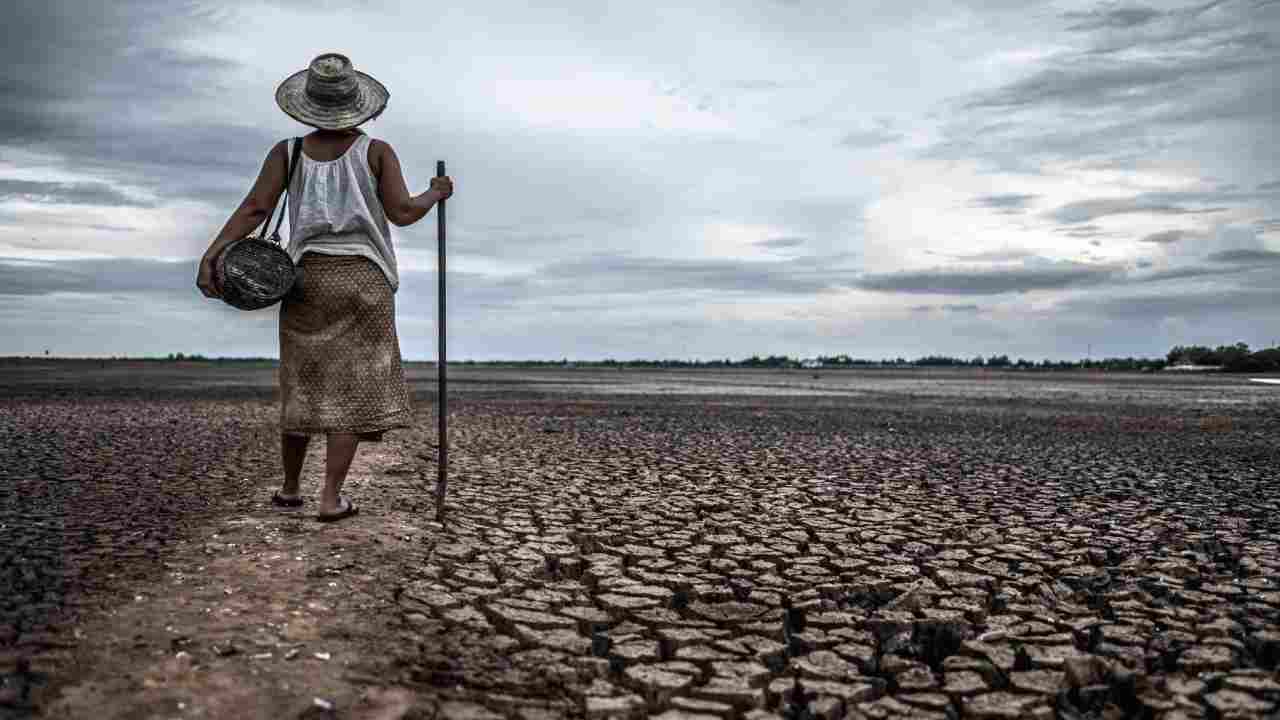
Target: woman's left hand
(442, 187)
(207, 280)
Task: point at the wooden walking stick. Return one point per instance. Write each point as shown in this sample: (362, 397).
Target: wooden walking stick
(442, 428)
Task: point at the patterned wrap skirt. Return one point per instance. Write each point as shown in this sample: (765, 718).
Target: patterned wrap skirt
(340, 368)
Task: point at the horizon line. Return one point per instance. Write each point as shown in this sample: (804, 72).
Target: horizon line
(196, 357)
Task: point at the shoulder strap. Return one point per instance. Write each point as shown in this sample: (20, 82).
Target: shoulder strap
(284, 201)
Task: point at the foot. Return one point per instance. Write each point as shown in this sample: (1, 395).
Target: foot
(345, 510)
(282, 500)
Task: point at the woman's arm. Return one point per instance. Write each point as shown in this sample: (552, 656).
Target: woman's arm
(402, 208)
(258, 204)
(255, 208)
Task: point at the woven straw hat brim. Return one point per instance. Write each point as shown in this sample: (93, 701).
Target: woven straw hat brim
(370, 101)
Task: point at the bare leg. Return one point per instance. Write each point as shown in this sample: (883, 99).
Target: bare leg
(340, 450)
(293, 448)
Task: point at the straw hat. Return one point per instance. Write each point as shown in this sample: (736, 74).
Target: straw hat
(331, 94)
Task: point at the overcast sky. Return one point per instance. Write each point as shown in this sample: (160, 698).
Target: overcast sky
(674, 179)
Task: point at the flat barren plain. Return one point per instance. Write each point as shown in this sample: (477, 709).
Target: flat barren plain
(625, 543)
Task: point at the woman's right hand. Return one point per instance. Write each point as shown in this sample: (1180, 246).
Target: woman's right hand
(207, 279)
(442, 187)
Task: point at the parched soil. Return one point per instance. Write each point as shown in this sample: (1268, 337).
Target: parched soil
(910, 555)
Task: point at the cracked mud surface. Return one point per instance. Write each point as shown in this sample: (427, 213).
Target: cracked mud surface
(930, 553)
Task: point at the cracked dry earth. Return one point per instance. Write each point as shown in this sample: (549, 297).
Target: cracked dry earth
(631, 556)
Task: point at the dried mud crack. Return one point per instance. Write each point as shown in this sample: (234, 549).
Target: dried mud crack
(626, 556)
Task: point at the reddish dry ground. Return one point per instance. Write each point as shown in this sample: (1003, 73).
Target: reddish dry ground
(148, 576)
(628, 556)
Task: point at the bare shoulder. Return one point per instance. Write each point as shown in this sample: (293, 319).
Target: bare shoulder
(277, 156)
(377, 151)
(380, 146)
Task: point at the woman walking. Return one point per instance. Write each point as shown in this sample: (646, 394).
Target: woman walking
(340, 368)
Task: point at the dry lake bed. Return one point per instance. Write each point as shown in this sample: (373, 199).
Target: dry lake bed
(627, 543)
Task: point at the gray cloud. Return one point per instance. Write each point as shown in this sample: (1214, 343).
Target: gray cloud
(1112, 17)
(104, 276)
(757, 84)
(586, 285)
(781, 242)
(38, 222)
(1084, 81)
(1197, 82)
(1194, 304)
(870, 138)
(1244, 256)
(609, 273)
(174, 283)
(991, 281)
(112, 228)
(60, 193)
(1218, 195)
(1086, 210)
(1235, 39)
(1082, 231)
(599, 274)
(99, 85)
(1273, 185)
(948, 307)
(1008, 203)
(994, 255)
(474, 291)
(1187, 273)
(507, 242)
(1168, 237)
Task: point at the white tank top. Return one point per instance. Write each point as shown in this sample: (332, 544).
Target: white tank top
(334, 210)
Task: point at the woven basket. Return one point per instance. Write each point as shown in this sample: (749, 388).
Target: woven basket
(255, 273)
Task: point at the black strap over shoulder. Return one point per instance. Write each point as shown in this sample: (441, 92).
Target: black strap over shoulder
(284, 198)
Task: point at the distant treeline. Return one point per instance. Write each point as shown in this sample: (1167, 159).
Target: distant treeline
(1230, 358)
(844, 361)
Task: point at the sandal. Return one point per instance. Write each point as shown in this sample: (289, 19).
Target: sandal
(347, 511)
(289, 502)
